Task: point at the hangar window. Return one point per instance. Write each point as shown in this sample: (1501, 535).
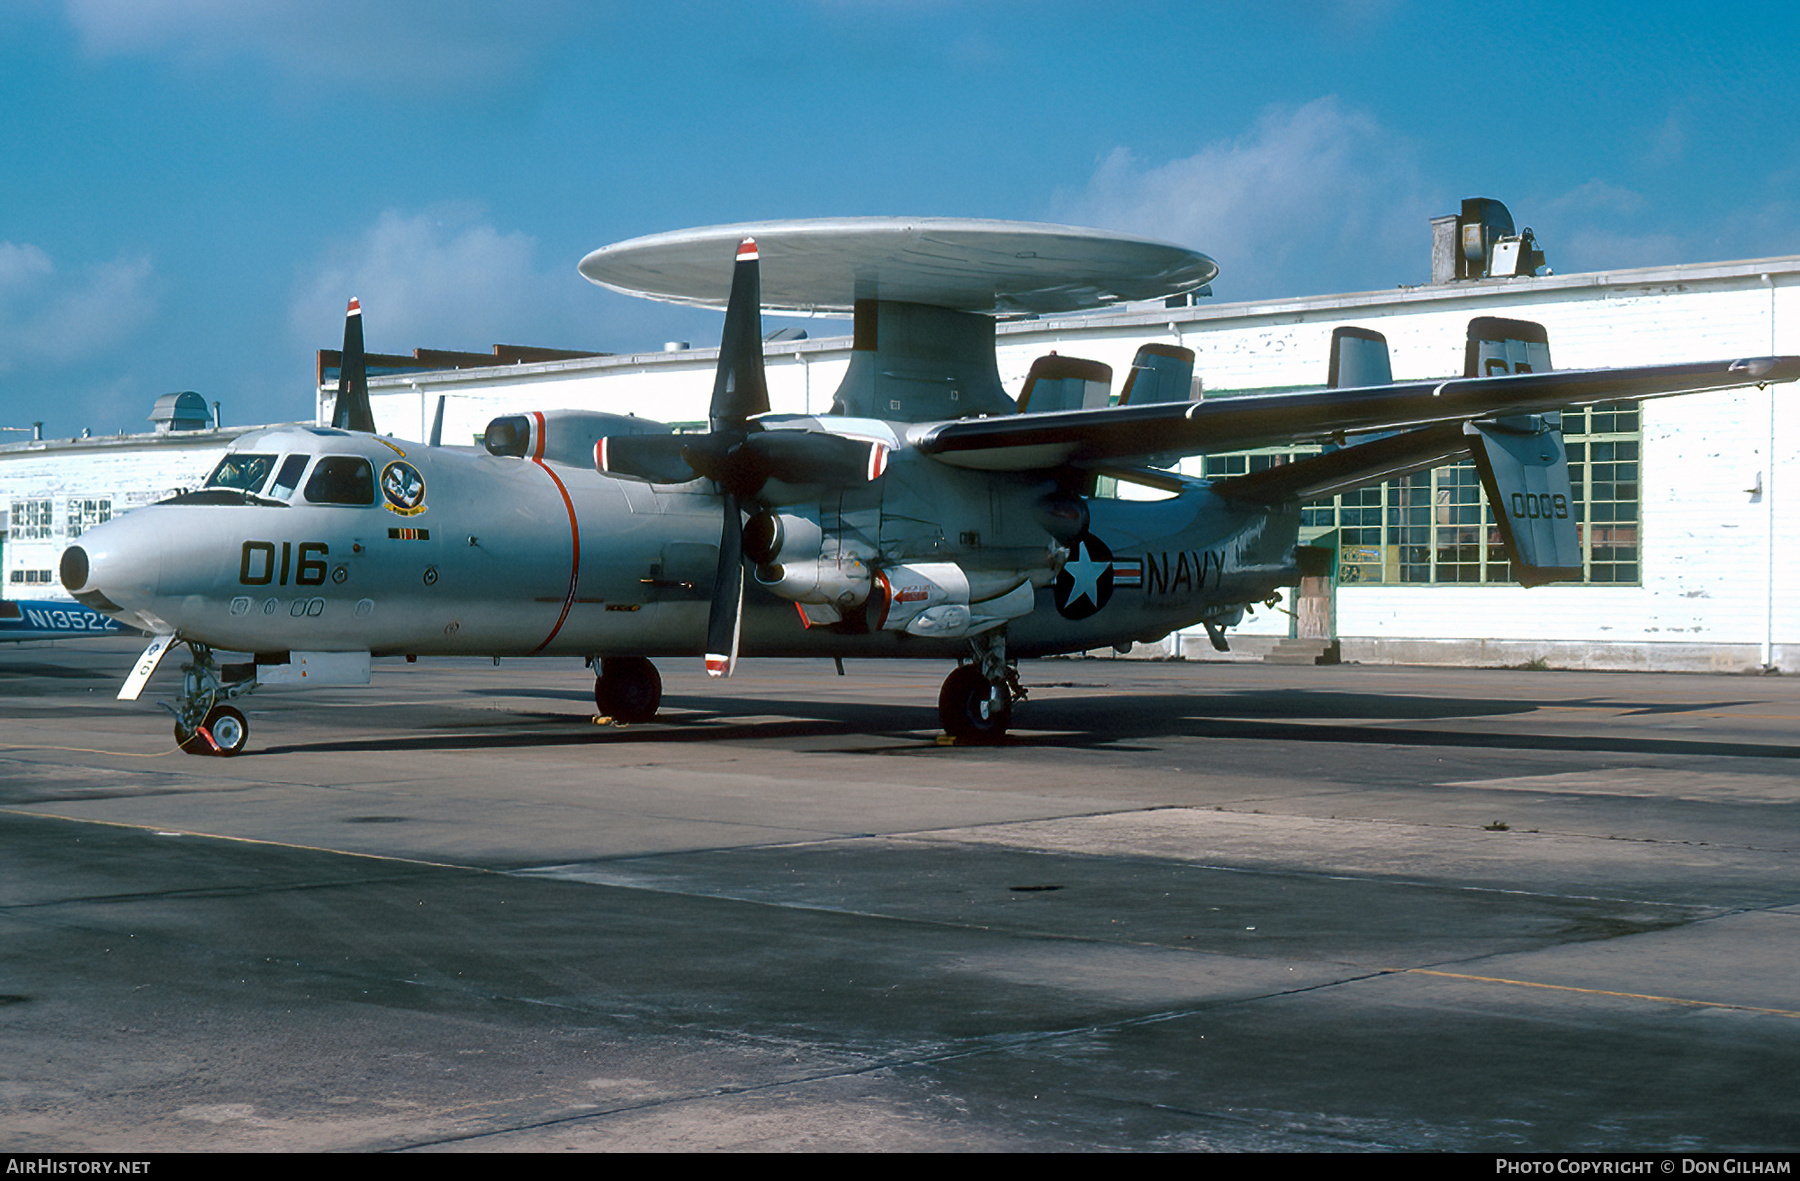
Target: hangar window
(1435, 527)
(86, 512)
(31, 520)
(341, 479)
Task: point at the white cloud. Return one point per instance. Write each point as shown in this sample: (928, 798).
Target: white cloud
(1318, 198)
(443, 279)
(1596, 197)
(441, 43)
(49, 317)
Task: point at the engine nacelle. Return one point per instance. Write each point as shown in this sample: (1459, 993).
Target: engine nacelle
(788, 550)
(940, 599)
(566, 436)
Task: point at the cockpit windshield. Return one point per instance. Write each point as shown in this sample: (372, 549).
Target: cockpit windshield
(242, 470)
(288, 478)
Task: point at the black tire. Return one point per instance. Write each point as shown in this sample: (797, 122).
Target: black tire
(628, 689)
(967, 710)
(190, 741)
(229, 730)
(229, 733)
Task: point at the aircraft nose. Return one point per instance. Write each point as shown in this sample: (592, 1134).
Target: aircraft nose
(74, 569)
(111, 570)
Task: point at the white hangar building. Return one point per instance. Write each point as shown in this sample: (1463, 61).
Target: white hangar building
(1686, 502)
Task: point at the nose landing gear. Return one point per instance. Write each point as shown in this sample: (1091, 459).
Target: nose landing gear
(204, 724)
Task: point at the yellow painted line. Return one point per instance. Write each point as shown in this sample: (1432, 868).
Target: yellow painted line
(1631, 996)
(82, 750)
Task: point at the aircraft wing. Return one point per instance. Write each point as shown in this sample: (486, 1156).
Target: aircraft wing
(1028, 442)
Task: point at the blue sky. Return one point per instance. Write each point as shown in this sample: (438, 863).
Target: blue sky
(193, 188)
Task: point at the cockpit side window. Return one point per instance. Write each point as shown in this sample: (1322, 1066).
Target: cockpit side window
(244, 471)
(341, 479)
(288, 478)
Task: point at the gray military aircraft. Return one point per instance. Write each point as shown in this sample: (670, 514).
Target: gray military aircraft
(927, 514)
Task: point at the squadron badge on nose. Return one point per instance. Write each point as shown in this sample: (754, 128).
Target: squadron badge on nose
(403, 488)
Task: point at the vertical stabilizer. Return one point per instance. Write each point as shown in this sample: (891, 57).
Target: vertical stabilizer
(1359, 359)
(1159, 373)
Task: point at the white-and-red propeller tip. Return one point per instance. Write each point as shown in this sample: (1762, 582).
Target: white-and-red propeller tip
(747, 250)
(718, 666)
(355, 308)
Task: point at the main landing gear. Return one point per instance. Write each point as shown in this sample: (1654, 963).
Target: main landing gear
(204, 724)
(975, 704)
(628, 689)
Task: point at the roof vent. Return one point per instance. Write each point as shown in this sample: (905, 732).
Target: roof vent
(1480, 243)
(185, 411)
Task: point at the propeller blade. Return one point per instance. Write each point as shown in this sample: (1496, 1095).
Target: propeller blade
(812, 457)
(739, 390)
(654, 459)
(352, 412)
(724, 621)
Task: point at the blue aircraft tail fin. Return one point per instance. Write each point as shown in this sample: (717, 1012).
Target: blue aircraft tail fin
(1359, 358)
(1159, 373)
(1065, 383)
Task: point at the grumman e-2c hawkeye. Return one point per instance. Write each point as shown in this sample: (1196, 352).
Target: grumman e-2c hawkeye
(925, 515)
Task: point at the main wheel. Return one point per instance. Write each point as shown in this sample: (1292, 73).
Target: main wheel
(628, 688)
(971, 709)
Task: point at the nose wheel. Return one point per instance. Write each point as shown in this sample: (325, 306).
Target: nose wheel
(222, 732)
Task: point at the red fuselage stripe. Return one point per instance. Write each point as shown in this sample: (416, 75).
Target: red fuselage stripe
(537, 457)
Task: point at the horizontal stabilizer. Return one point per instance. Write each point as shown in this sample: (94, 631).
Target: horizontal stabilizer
(1317, 477)
(1040, 441)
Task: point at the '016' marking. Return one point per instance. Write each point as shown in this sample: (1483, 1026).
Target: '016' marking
(258, 566)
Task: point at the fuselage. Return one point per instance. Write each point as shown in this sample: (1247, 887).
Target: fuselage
(321, 540)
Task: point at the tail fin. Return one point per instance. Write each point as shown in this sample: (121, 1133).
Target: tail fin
(1523, 464)
(351, 411)
(1159, 373)
(1498, 346)
(1065, 383)
(1359, 358)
